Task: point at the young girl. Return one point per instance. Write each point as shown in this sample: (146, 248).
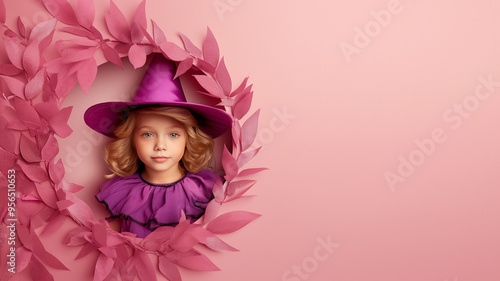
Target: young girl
(162, 145)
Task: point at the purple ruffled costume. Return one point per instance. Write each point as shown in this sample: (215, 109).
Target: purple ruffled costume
(146, 206)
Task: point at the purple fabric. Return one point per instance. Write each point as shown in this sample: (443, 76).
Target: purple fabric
(145, 206)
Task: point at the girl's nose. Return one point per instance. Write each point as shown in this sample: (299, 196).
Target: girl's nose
(160, 145)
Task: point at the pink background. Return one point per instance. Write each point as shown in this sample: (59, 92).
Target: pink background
(333, 125)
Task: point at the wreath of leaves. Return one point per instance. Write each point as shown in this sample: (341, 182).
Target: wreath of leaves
(34, 88)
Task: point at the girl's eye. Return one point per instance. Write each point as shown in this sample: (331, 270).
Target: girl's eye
(174, 135)
(147, 135)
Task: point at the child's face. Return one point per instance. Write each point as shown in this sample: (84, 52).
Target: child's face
(160, 142)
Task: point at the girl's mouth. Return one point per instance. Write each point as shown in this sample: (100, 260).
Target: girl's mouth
(159, 159)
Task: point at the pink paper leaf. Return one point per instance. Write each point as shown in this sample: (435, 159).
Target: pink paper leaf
(77, 31)
(76, 54)
(59, 122)
(247, 156)
(7, 141)
(190, 47)
(249, 130)
(40, 251)
(168, 269)
(184, 243)
(145, 268)
(230, 222)
(29, 150)
(46, 109)
(139, 22)
(15, 50)
(251, 171)
(9, 70)
(223, 77)
(100, 233)
(240, 88)
(87, 73)
(34, 172)
(61, 10)
(27, 113)
(226, 102)
(205, 66)
(137, 56)
(21, 27)
(3, 12)
(50, 149)
(211, 49)
(111, 55)
(183, 66)
(54, 223)
(42, 30)
(35, 86)
(236, 132)
(39, 271)
(209, 84)
(211, 211)
(47, 194)
(117, 24)
(8, 160)
(216, 244)
(236, 185)
(173, 52)
(158, 34)
(242, 105)
(229, 164)
(56, 172)
(15, 86)
(86, 249)
(198, 262)
(86, 12)
(103, 267)
(31, 58)
(23, 257)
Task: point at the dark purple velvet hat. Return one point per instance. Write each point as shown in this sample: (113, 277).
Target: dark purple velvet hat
(157, 88)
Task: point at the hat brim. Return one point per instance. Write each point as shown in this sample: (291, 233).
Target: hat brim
(104, 117)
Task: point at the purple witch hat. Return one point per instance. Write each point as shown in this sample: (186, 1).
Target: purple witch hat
(158, 87)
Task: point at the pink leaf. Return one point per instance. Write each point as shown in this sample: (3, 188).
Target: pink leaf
(56, 172)
(223, 77)
(211, 211)
(47, 194)
(210, 240)
(100, 233)
(251, 171)
(7, 141)
(236, 132)
(61, 10)
(40, 251)
(23, 257)
(211, 49)
(183, 66)
(168, 269)
(42, 30)
(242, 184)
(29, 150)
(205, 66)
(218, 190)
(78, 54)
(103, 267)
(249, 130)
(242, 105)
(39, 271)
(158, 34)
(9, 70)
(54, 223)
(230, 165)
(15, 50)
(137, 56)
(8, 160)
(117, 24)
(15, 86)
(209, 84)
(230, 222)
(111, 55)
(35, 86)
(46, 109)
(21, 27)
(31, 58)
(240, 88)
(3, 12)
(34, 172)
(27, 113)
(247, 156)
(197, 262)
(51, 148)
(86, 249)
(173, 52)
(86, 12)
(190, 47)
(77, 31)
(145, 268)
(87, 73)
(59, 122)
(139, 22)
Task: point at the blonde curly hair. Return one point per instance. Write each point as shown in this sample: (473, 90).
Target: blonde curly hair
(121, 156)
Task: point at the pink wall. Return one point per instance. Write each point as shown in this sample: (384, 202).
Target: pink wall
(350, 94)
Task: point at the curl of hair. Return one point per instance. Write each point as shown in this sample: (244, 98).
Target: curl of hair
(121, 156)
